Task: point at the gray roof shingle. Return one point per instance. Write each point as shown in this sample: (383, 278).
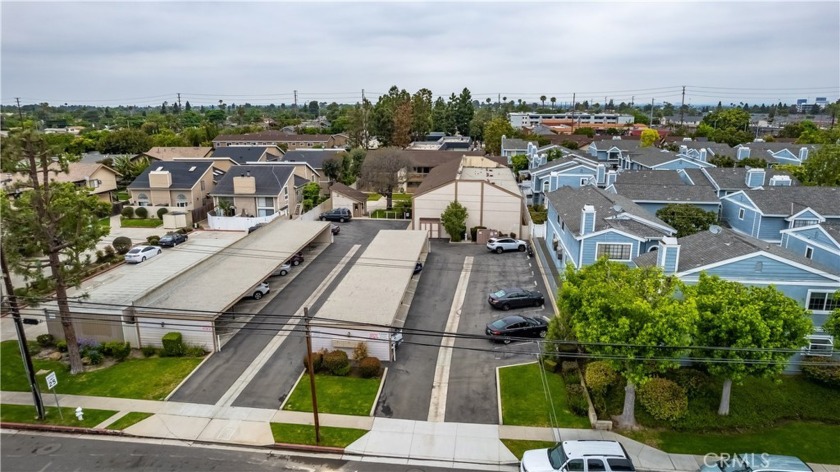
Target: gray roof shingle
(668, 193)
(730, 178)
(349, 192)
(649, 177)
(651, 156)
(241, 154)
(515, 144)
(313, 158)
(788, 201)
(269, 180)
(185, 174)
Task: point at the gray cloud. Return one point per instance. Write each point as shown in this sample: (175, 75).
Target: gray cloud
(143, 53)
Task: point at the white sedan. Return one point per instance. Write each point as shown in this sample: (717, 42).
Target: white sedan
(138, 254)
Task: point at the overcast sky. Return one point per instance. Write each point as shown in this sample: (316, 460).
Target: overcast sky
(144, 53)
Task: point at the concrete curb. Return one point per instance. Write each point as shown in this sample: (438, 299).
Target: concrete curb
(309, 448)
(378, 392)
(285, 400)
(62, 429)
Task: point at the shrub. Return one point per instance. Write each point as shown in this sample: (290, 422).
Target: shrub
(61, 346)
(600, 376)
(153, 240)
(122, 244)
(161, 212)
(94, 356)
(337, 363)
(148, 351)
(824, 370)
(550, 365)
(370, 367)
(317, 361)
(87, 345)
(513, 235)
(360, 351)
(100, 255)
(663, 399)
(695, 382)
(195, 351)
(141, 212)
(45, 340)
(127, 212)
(577, 400)
(33, 347)
(120, 351)
(173, 345)
(109, 252)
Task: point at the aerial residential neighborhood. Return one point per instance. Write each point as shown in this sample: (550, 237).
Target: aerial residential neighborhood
(346, 247)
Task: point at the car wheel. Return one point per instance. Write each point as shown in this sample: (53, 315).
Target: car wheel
(143, 259)
(341, 220)
(257, 295)
(283, 272)
(499, 250)
(295, 263)
(175, 243)
(506, 307)
(538, 303)
(159, 251)
(521, 248)
(506, 340)
(542, 333)
(322, 218)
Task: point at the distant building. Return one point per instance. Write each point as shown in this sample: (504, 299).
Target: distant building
(519, 120)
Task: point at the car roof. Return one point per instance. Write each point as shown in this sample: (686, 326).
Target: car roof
(593, 447)
(775, 462)
(513, 319)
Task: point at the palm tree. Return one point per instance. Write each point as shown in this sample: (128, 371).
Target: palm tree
(553, 101)
(542, 99)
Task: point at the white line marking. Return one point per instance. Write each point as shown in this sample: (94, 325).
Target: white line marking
(440, 387)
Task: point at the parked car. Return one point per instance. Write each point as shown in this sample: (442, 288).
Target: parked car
(296, 259)
(282, 270)
(757, 462)
(501, 245)
(337, 214)
(418, 267)
(261, 290)
(509, 327)
(515, 297)
(138, 254)
(580, 455)
(397, 337)
(172, 239)
(335, 229)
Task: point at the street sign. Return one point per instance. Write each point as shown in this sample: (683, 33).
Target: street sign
(52, 381)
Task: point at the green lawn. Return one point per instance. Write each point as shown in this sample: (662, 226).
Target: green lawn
(147, 379)
(519, 446)
(140, 222)
(26, 414)
(401, 196)
(122, 196)
(373, 197)
(339, 395)
(305, 434)
(128, 420)
(106, 222)
(811, 442)
(386, 214)
(524, 403)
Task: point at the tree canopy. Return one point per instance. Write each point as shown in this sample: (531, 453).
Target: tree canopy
(454, 219)
(686, 219)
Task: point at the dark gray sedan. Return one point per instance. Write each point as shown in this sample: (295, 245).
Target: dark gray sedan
(516, 297)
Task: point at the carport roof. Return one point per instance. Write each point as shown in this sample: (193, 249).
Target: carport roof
(374, 287)
(220, 281)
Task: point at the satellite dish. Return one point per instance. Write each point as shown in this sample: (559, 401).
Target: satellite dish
(714, 229)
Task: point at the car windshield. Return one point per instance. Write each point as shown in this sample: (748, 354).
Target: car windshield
(556, 456)
(134, 251)
(498, 324)
(500, 293)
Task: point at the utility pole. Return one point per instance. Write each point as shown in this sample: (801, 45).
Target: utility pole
(573, 111)
(296, 107)
(311, 374)
(24, 351)
(364, 123)
(682, 107)
(651, 113)
(632, 99)
(179, 102)
(20, 113)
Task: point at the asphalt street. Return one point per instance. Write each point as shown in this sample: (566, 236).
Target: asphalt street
(44, 452)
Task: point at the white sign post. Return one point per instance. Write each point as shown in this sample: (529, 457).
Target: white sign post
(52, 381)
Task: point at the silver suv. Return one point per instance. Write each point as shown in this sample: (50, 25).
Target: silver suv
(578, 456)
(501, 245)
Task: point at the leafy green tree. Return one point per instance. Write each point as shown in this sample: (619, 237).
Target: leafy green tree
(649, 137)
(630, 317)
(493, 132)
(311, 195)
(402, 124)
(129, 168)
(757, 327)
(462, 111)
(357, 123)
(442, 119)
(332, 168)
(454, 221)
(832, 323)
(722, 161)
(519, 162)
(125, 141)
(421, 114)
(384, 173)
(542, 99)
(585, 131)
(686, 219)
(168, 138)
(732, 118)
(822, 167)
(59, 219)
(480, 119)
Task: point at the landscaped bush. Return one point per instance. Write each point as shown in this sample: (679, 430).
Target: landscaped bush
(337, 363)
(95, 356)
(600, 376)
(827, 372)
(370, 367)
(141, 212)
(87, 345)
(33, 347)
(173, 344)
(61, 346)
(45, 340)
(570, 370)
(695, 382)
(195, 351)
(474, 232)
(663, 399)
(577, 400)
(148, 351)
(122, 244)
(110, 252)
(161, 212)
(119, 350)
(317, 361)
(360, 351)
(127, 212)
(153, 240)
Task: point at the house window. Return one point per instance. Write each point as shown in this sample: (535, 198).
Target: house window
(563, 226)
(741, 214)
(801, 223)
(265, 206)
(620, 252)
(809, 252)
(181, 201)
(583, 182)
(142, 200)
(822, 301)
(545, 185)
(759, 266)
(286, 193)
(202, 185)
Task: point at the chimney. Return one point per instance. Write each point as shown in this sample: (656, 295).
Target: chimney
(668, 255)
(244, 184)
(611, 176)
(160, 178)
(703, 155)
(587, 220)
(600, 174)
(780, 181)
(743, 153)
(755, 178)
(683, 149)
(803, 153)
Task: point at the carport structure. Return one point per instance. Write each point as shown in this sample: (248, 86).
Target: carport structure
(372, 299)
(193, 303)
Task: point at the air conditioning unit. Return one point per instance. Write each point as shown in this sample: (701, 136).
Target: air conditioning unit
(819, 345)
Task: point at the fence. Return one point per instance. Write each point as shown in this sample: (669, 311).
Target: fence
(537, 231)
(315, 213)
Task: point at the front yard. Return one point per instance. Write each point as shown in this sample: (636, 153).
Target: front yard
(67, 417)
(339, 395)
(524, 402)
(305, 434)
(140, 222)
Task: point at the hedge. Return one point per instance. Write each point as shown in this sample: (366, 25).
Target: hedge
(663, 399)
(173, 345)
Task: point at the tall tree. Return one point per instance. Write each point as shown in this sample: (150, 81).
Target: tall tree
(631, 317)
(553, 101)
(542, 99)
(383, 173)
(421, 114)
(462, 111)
(357, 125)
(822, 167)
(442, 117)
(757, 327)
(401, 136)
(124, 141)
(59, 220)
(493, 132)
(687, 219)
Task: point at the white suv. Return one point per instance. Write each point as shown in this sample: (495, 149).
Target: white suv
(501, 245)
(262, 289)
(579, 456)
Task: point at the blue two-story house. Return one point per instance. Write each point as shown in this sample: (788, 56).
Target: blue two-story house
(726, 180)
(611, 150)
(775, 153)
(764, 212)
(654, 189)
(820, 242)
(587, 223)
(651, 158)
(571, 171)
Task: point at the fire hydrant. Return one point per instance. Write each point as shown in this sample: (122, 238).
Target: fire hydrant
(80, 414)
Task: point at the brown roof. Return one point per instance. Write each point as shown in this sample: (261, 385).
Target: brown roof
(350, 192)
(273, 135)
(439, 175)
(79, 171)
(427, 158)
(169, 153)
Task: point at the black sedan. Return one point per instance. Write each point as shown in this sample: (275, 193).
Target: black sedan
(172, 239)
(517, 327)
(508, 298)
